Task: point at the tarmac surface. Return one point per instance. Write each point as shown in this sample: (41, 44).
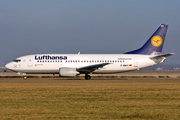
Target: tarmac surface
(70, 80)
(127, 76)
(174, 74)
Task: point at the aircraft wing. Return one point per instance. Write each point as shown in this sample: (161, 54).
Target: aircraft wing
(91, 68)
(162, 56)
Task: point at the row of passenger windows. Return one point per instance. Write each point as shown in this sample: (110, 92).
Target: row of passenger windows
(84, 61)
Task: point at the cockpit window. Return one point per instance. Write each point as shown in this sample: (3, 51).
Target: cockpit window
(16, 60)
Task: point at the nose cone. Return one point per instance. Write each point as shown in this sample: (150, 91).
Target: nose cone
(9, 66)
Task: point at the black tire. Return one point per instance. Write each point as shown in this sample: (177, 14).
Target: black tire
(87, 77)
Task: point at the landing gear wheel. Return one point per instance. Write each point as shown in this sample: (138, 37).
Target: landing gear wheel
(24, 77)
(87, 77)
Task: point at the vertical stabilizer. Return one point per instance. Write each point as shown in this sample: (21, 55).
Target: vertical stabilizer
(154, 44)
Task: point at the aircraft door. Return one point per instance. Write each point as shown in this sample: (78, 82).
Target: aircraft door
(135, 61)
(30, 62)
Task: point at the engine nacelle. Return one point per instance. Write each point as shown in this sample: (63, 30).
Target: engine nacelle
(68, 72)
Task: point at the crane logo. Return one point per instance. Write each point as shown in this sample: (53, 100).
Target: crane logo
(156, 41)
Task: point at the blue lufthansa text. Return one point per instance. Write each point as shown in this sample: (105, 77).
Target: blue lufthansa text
(47, 57)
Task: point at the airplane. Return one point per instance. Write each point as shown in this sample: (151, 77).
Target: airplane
(72, 65)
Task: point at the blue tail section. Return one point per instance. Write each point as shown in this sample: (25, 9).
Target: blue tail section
(155, 43)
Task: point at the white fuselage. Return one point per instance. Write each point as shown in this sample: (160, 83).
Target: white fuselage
(51, 63)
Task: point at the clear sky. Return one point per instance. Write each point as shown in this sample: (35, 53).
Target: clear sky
(89, 26)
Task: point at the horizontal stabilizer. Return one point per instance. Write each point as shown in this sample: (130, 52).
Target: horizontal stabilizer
(162, 56)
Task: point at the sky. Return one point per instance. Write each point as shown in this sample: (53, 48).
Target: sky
(86, 26)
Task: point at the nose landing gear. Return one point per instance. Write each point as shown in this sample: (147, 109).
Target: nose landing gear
(24, 77)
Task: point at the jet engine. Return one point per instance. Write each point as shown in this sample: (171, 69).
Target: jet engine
(68, 72)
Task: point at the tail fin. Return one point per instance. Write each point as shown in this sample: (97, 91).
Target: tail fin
(155, 43)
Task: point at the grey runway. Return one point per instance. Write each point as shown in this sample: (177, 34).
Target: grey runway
(69, 80)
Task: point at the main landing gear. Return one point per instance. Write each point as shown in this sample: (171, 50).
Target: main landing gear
(87, 77)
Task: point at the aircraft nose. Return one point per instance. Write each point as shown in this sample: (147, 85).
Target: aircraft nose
(8, 66)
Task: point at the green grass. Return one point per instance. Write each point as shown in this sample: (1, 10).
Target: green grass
(89, 100)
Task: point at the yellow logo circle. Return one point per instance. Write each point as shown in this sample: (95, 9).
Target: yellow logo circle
(156, 41)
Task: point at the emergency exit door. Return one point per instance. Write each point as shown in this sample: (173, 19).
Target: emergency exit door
(30, 62)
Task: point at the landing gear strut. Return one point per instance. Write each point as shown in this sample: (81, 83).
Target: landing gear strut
(87, 77)
(24, 77)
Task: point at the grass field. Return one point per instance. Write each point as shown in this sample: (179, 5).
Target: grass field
(89, 100)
